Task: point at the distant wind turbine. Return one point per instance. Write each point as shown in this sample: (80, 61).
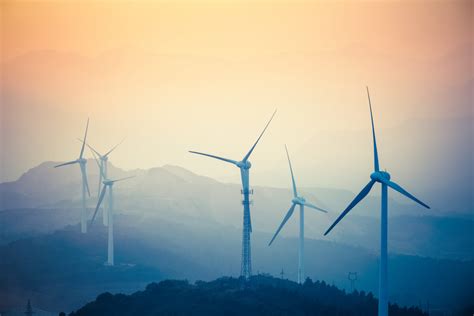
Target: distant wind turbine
(103, 169)
(244, 166)
(110, 185)
(383, 178)
(85, 185)
(301, 201)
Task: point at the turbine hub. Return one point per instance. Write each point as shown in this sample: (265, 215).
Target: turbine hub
(380, 175)
(298, 200)
(104, 158)
(107, 182)
(82, 160)
(244, 164)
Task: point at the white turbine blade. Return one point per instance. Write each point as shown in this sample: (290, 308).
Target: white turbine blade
(376, 155)
(66, 163)
(113, 148)
(85, 139)
(253, 147)
(354, 202)
(287, 217)
(90, 147)
(98, 165)
(101, 197)
(398, 188)
(95, 151)
(84, 178)
(216, 157)
(295, 194)
(113, 181)
(314, 207)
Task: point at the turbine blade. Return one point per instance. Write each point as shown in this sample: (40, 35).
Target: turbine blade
(314, 207)
(101, 197)
(113, 148)
(287, 217)
(95, 151)
(113, 181)
(216, 157)
(295, 194)
(253, 147)
(66, 163)
(84, 178)
(100, 177)
(85, 139)
(90, 147)
(354, 202)
(398, 188)
(376, 155)
(101, 171)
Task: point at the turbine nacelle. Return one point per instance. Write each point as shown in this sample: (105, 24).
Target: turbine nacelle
(299, 200)
(108, 182)
(82, 161)
(380, 176)
(244, 164)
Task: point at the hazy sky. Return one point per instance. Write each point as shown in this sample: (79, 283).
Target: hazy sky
(206, 75)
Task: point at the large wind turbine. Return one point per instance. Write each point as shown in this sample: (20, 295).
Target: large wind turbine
(107, 183)
(85, 186)
(103, 159)
(244, 166)
(383, 178)
(301, 201)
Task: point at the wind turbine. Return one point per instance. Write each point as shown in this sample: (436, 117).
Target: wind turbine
(244, 166)
(103, 174)
(107, 183)
(85, 185)
(383, 178)
(301, 201)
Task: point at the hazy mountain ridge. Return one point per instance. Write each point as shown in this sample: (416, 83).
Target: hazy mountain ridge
(172, 191)
(150, 248)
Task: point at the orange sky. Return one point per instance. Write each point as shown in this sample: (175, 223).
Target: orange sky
(173, 76)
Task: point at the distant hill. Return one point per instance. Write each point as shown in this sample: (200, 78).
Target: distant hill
(179, 194)
(262, 295)
(65, 269)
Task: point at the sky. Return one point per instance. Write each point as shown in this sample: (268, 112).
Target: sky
(206, 75)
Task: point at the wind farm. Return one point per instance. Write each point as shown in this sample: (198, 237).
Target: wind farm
(205, 158)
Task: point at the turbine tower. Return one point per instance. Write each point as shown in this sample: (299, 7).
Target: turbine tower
(110, 185)
(244, 166)
(383, 178)
(103, 160)
(301, 201)
(85, 186)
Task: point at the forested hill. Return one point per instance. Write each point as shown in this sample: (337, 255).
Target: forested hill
(262, 295)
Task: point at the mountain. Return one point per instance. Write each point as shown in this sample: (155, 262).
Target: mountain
(65, 269)
(172, 192)
(262, 295)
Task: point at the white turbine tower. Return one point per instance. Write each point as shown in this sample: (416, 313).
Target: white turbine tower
(301, 201)
(383, 178)
(244, 166)
(103, 170)
(85, 186)
(110, 185)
